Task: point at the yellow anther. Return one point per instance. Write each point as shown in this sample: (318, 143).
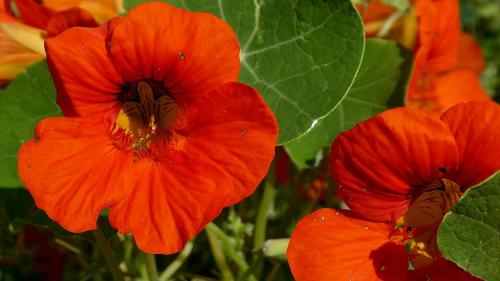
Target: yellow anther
(420, 246)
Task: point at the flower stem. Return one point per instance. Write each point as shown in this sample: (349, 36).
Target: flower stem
(276, 248)
(108, 255)
(177, 263)
(389, 23)
(266, 204)
(236, 256)
(220, 259)
(274, 272)
(151, 267)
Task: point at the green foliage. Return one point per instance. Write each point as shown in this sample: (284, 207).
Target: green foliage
(27, 100)
(480, 19)
(21, 209)
(470, 233)
(302, 56)
(379, 85)
(237, 229)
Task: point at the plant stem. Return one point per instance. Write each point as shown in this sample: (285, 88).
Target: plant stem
(276, 248)
(197, 277)
(177, 263)
(266, 204)
(80, 258)
(274, 272)
(236, 257)
(151, 267)
(226, 246)
(108, 255)
(128, 248)
(389, 23)
(219, 257)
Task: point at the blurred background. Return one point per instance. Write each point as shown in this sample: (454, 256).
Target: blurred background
(480, 18)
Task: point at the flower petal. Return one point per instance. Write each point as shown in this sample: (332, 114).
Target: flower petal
(470, 54)
(6, 16)
(443, 270)
(101, 10)
(33, 13)
(66, 19)
(375, 11)
(476, 126)
(86, 81)
(446, 90)
(332, 245)
(233, 126)
(228, 144)
(73, 170)
(189, 51)
(381, 164)
(59, 5)
(14, 57)
(5, 7)
(439, 34)
(457, 87)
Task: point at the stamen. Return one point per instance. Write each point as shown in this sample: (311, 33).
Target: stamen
(146, 117)
(416, 229)
(430, 207)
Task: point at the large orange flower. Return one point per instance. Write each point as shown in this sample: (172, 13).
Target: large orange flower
(155, 129)
(399, 173)
(22, 33)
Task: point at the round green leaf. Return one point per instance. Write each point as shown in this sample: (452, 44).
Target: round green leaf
(301, 55)
(27, 100)
(379, 85)
(470, 233)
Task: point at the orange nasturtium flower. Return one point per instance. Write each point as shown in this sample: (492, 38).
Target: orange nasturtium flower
(156, 127)
(399, 173)
(447, 61)
(22, 32)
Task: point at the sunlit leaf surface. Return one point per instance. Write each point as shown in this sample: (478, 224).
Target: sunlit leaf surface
(470, 233)
(301, 55)
(378, 86)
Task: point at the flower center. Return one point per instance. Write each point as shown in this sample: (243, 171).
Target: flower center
(147, 113)
(420, 223)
